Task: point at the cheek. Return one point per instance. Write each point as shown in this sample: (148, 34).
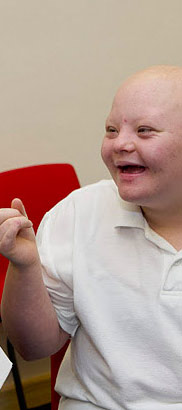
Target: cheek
(163, 160)
(156, 157)
(106, 152)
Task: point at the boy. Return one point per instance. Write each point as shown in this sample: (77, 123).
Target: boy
(111, 259)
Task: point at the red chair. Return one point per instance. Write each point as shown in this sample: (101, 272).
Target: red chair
(40, 187)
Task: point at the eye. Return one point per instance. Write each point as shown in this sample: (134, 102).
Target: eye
(145, 131)
(111, 131)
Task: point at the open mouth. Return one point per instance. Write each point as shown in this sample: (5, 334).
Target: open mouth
(132, 169)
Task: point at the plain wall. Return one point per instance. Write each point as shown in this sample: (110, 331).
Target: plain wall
(60, 65)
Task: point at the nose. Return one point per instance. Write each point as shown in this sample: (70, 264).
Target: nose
(125, 141)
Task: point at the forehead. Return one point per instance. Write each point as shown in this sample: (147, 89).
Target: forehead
(147, 95)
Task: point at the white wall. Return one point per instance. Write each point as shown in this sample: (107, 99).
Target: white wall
(61, 62)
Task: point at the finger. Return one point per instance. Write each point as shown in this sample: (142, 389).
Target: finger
(18, 204)
(14, 225)
(9, 231)
(6, 213)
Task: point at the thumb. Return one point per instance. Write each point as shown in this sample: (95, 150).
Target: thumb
(18, 204)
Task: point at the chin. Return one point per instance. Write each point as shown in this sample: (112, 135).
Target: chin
(133, 197)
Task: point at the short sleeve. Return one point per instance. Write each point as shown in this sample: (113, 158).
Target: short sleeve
(55, 238)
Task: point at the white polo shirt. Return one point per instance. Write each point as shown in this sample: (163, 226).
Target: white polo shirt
(117, 289)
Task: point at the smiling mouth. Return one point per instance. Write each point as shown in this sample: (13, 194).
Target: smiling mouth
(132, 169)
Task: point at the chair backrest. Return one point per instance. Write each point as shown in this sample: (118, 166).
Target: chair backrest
(40, 187)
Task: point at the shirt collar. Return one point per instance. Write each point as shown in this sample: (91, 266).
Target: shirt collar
(128, 215)
(131, 216)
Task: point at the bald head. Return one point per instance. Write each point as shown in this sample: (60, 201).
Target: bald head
(168, 75)
(160, 84)
(164, 72)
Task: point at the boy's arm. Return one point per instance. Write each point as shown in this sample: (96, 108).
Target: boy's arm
(27, 313)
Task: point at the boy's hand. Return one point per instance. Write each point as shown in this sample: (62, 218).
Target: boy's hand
(17, 238)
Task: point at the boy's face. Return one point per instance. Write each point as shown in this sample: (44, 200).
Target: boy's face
(142, 147)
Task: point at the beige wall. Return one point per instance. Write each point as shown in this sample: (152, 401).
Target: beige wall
(61, 62)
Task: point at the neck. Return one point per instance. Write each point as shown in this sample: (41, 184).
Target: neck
(167, 224)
